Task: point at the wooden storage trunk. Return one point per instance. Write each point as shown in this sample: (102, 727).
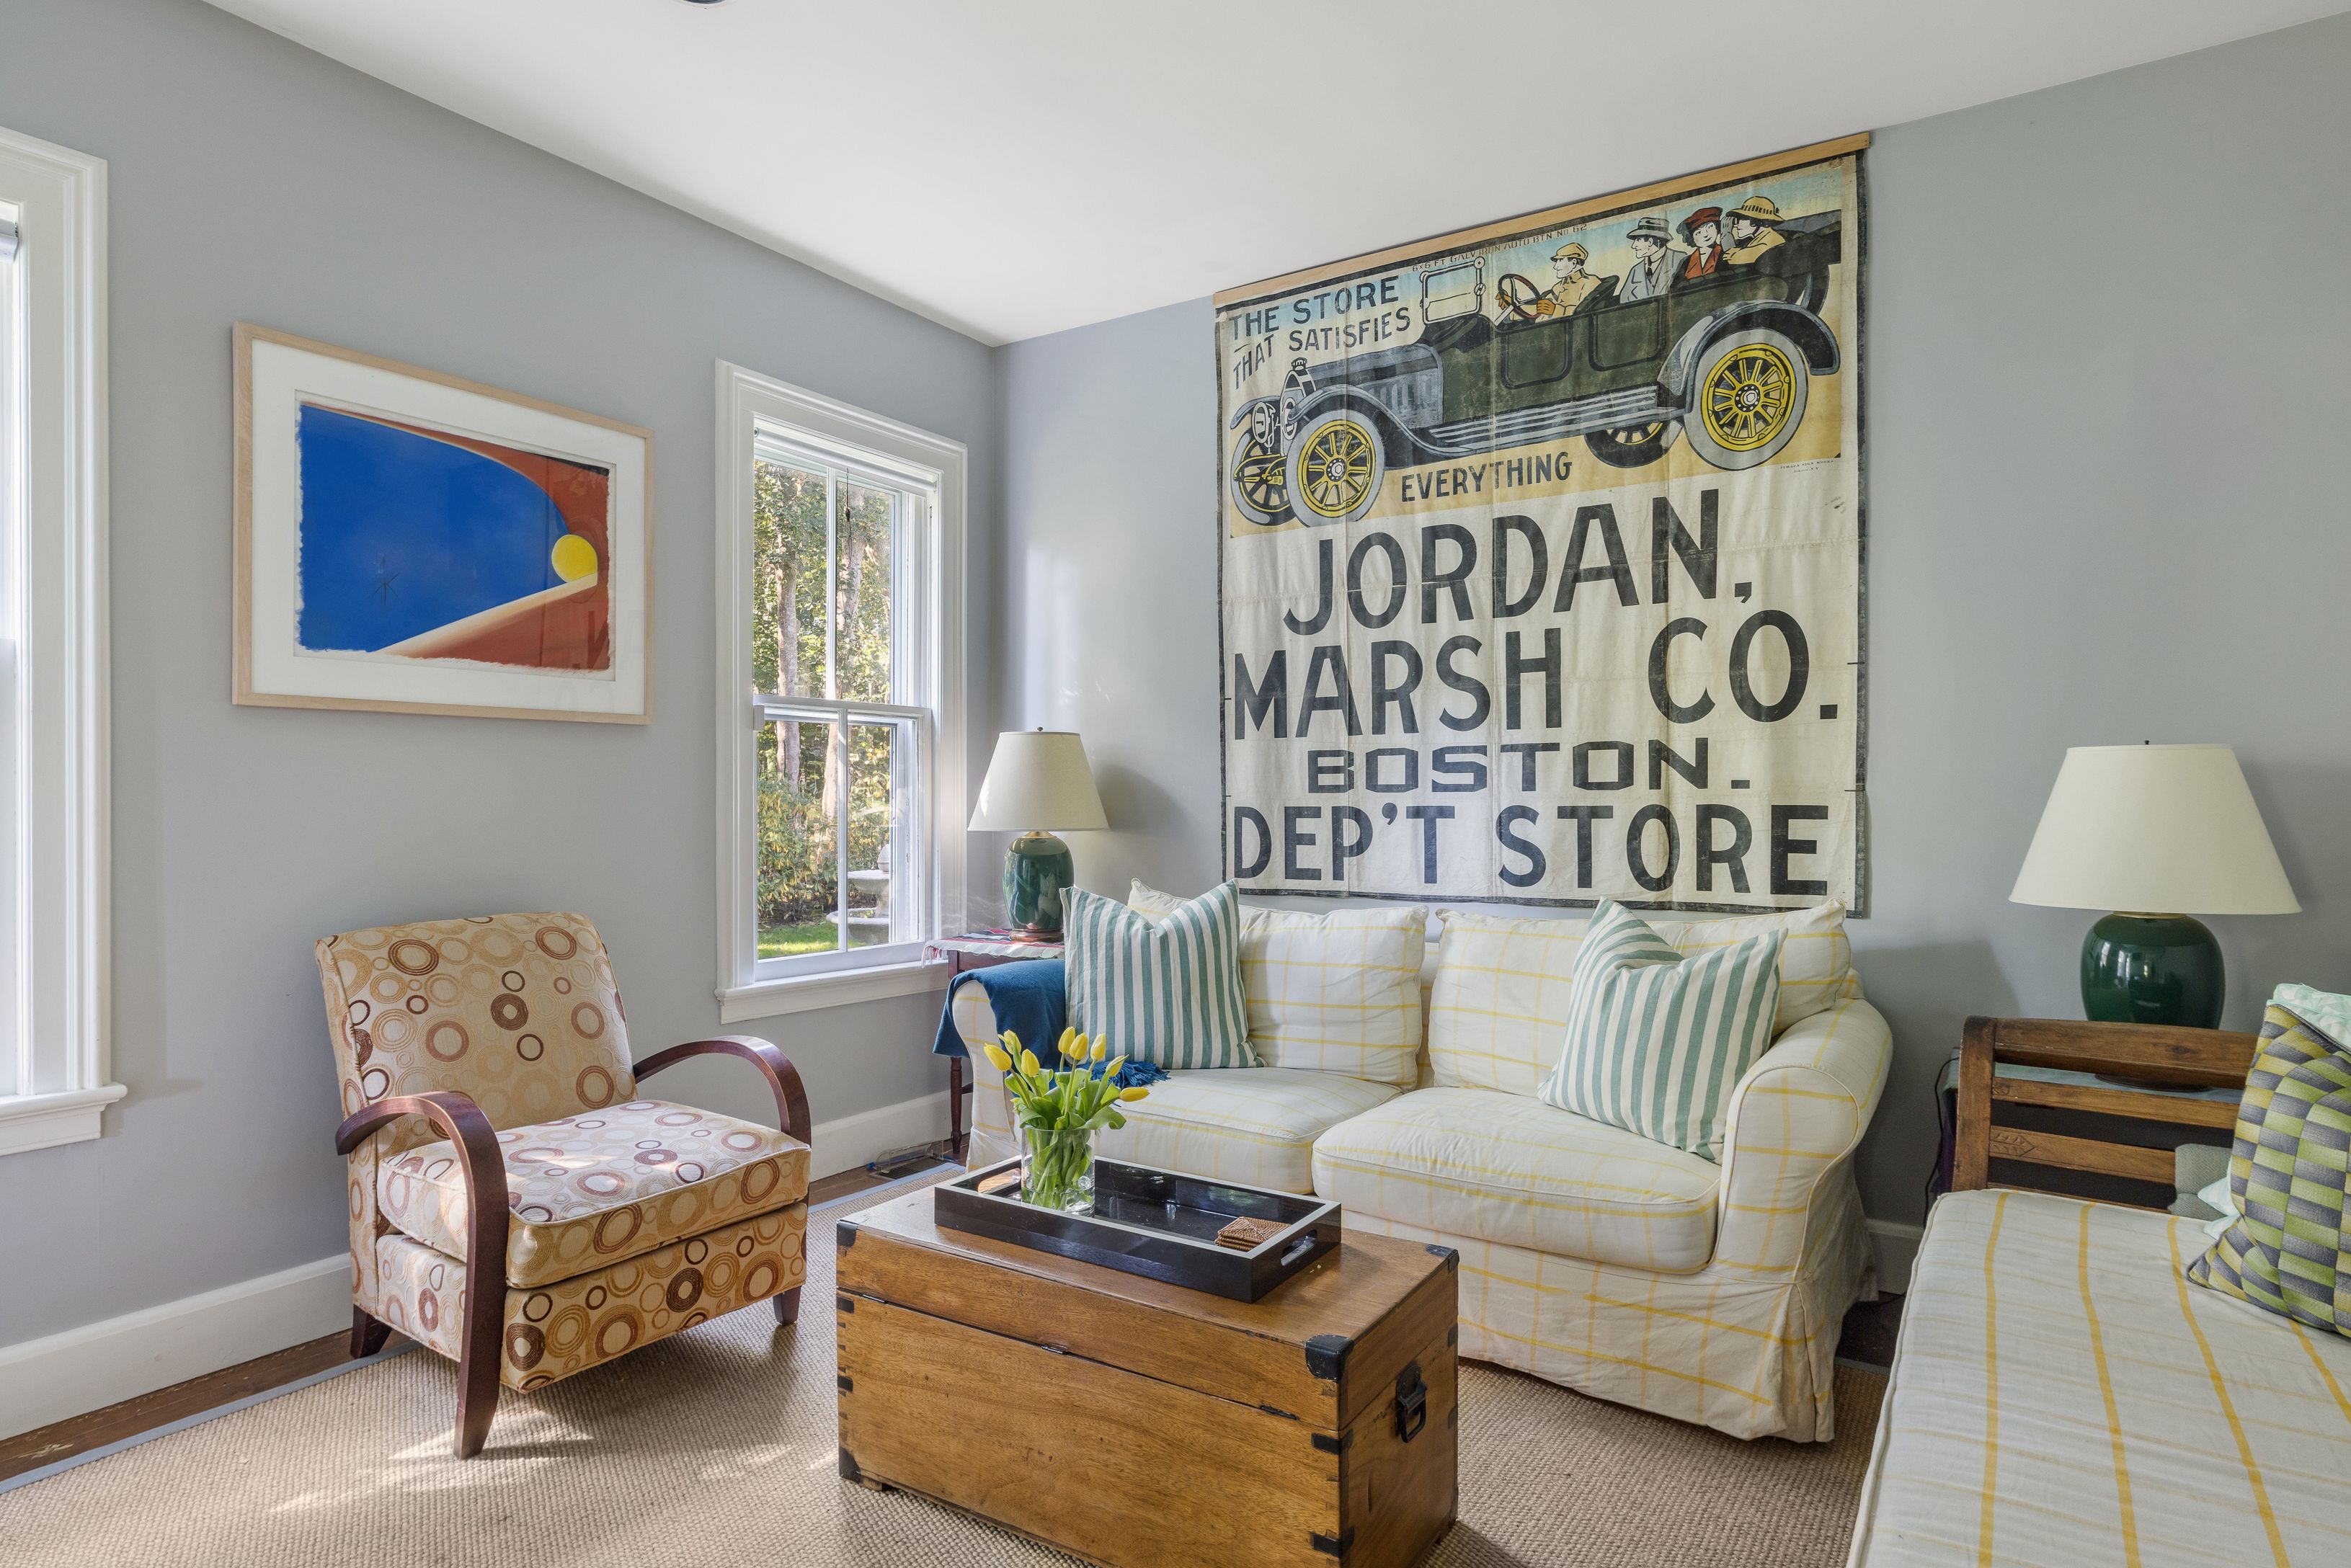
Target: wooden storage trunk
(1135, 1424)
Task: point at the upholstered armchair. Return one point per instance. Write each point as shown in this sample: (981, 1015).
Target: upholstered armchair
(513, 1204)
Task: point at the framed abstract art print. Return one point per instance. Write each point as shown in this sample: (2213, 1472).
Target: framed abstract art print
(413, 542)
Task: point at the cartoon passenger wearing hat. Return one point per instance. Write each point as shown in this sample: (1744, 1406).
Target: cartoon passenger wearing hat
(1574, 286)
(1703, 232)
(1652, 272)
(1754, 229)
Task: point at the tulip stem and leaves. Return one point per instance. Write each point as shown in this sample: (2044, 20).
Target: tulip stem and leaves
(1059, 1110)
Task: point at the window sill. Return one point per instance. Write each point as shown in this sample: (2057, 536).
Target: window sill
(842, 988)
(30, 1121)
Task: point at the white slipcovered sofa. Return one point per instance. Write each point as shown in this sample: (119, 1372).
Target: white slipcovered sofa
(1589, 1256)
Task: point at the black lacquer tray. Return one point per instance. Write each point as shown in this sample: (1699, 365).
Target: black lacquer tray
(1159, 1224)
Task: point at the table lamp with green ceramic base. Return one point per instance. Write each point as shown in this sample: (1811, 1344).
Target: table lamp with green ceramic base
(2159, 834)
(1037, 781)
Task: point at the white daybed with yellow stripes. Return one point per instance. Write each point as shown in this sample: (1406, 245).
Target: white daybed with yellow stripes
(1589, 1256)
(2063, 1398)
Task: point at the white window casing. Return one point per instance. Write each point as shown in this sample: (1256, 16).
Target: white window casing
(760, 418)
(55, 1075)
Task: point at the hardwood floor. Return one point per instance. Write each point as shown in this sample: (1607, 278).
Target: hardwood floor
(47, 1444)
(1868, 1337)
(80, 1433)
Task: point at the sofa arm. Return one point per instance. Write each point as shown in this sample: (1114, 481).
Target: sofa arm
(1794, 1119)
(992, 1110)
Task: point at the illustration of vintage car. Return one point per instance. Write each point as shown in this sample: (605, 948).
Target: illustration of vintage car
(1727, 358)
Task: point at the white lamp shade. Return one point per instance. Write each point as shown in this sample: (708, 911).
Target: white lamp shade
(2153, 829)
(1038, 779)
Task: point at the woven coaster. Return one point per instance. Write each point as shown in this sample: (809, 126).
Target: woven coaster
(1244, 1233)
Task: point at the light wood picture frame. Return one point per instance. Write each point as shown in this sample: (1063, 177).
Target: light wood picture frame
(409, 541)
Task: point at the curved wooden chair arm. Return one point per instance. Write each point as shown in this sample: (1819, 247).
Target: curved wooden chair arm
(783, 1077)
(483, 1170)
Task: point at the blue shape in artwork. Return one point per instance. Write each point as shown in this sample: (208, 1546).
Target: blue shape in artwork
(402, 533)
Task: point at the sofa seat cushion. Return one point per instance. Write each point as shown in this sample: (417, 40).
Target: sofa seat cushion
(1256, 1125)
(591, 1189)
(1513, 1171)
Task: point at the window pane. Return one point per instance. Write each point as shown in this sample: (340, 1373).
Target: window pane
(864, 582)
(800, 839)
(788, 593)
(882, 905)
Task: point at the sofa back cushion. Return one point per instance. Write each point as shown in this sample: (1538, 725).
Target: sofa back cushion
(1498, 1010)
(1329, 992)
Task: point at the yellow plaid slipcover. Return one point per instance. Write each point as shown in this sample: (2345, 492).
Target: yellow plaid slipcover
(1501, 1167)
(1497, 1014)
(2063, 1398)
(1746, 1344)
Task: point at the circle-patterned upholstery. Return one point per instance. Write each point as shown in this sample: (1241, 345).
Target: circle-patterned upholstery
(519, 1011)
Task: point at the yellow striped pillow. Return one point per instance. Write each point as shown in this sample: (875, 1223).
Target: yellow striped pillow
(1498, 1010)
(1336, 992)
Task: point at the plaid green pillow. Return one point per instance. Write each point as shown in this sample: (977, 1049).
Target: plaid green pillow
(2287, 1169)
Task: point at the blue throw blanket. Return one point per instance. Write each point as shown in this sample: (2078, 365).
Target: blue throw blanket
(1029, 997)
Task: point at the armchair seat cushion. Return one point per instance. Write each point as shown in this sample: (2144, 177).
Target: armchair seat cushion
(1519, 1173)
(589, 1190)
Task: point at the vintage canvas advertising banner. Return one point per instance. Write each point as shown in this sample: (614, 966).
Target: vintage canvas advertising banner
(1542, 551)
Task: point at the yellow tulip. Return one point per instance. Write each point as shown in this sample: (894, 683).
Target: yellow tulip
(998, 1057)
(1102, 1048)
(1137, 1092)
(1029, 1064)
(1062, 1045)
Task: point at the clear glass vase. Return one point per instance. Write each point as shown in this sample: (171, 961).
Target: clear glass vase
(1056, 1168)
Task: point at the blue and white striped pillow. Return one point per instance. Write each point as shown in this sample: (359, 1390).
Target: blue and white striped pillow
(1166, 990)
(1656, 1042)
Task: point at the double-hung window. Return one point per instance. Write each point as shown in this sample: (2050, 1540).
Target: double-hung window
(54, 1086)
(841, 740)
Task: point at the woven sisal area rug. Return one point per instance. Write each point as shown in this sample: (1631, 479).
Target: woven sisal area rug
(718, 1447)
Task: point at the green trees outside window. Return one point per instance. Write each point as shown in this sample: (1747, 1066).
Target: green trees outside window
(822, 609)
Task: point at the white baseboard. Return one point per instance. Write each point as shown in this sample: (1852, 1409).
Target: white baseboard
(102, 1363)
(847, 1142)
(1895, 1245)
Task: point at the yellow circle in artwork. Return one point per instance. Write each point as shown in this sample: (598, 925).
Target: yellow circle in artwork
(573, 558)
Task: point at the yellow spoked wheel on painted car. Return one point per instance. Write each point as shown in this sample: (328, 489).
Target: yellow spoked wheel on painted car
(1335, 468)
(1749, 399)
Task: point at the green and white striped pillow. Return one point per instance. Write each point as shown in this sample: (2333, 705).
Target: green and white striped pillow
(1656, 1042)
(1165, 990)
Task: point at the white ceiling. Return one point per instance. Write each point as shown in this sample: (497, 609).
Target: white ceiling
(1012, 167)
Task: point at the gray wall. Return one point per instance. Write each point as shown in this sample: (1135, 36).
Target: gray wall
(253, 180)
(2104, 506)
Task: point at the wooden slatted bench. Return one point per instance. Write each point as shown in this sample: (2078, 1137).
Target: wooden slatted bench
(2158, 1057)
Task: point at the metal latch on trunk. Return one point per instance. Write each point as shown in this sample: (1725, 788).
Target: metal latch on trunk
(1411, 1403)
